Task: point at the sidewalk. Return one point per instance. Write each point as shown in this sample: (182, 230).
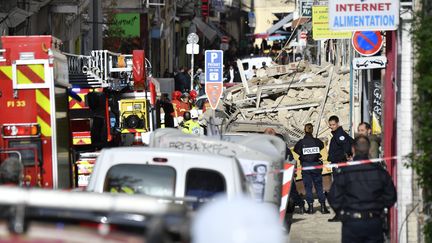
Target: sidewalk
(314, 228)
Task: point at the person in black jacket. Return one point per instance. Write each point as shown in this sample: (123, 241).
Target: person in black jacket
(360, 194)
(309, 149)
(340, 148)
(340, 144)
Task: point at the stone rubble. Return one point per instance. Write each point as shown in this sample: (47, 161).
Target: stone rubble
(293, 95)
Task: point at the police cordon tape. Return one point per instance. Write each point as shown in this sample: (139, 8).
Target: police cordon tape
(333, 165)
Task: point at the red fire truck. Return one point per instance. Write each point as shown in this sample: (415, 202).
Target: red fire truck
(33, 107)
(55, 108)
(108, 105)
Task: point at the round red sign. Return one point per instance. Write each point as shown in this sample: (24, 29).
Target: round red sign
(367, 43)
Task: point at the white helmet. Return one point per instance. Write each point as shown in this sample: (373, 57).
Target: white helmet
(241, 220)
(194, 114)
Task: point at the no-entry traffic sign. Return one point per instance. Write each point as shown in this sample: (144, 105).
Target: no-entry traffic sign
(213, 76)
(367, 43)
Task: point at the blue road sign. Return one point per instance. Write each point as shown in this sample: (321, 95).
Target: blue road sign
(214, 66)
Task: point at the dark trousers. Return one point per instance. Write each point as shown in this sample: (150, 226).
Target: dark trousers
(362, 231)
(298, 201)
(313, 178)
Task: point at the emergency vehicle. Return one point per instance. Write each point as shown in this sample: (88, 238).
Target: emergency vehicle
(109, 105)
(33, 108)
(58, 108)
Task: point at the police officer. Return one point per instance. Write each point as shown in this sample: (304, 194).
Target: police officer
(309, 149)
(360, 194)
(340, 148)
(340, 144)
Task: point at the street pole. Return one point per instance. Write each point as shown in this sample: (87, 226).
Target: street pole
(192, 65)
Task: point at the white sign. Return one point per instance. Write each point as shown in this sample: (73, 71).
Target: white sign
(369, 62)
(192, 38)
(355, 15)
(189, 48)
(311, 150)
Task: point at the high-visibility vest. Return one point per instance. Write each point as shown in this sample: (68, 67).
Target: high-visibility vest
(192, 127)
(123, 189)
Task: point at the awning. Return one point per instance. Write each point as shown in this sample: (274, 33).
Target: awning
(208, 32)
(279, 24)
(300, 21)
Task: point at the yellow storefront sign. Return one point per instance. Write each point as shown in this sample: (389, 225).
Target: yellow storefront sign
(320, 25)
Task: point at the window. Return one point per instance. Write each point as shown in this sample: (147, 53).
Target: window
(203, 183)
(150, 180)
(245, 66)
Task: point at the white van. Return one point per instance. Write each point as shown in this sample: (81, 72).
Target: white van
(257, 154)
(168, 173)
(248, 64)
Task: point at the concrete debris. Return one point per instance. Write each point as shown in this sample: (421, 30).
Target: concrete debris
(292, 95)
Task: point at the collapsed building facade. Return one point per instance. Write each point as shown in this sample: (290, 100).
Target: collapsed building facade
(292, 95)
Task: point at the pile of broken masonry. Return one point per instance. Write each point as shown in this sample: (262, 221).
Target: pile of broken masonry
(292, 95)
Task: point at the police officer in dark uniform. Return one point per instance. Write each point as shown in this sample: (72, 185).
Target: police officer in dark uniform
(340, 148)
(340, 144)
(360, 194)
(309, 149)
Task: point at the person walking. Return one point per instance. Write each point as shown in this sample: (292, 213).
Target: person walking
(365, 129)
(308, 150)
(360, 194)
(340, 149)
(168, 109)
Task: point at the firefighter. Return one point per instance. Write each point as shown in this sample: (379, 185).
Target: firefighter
(308, 150)
(184, 104)
(193, 95)
(190, 123)
(176, 106)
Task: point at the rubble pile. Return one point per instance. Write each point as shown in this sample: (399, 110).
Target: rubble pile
(293, 95)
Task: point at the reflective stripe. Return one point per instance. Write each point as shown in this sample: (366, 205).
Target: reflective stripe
(45, 127)
(81, 141)
(43, 101)
(123, 189)
(30, 73)
(7, 71)
(38, 69)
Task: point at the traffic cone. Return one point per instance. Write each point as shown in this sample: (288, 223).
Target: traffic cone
(137, 139)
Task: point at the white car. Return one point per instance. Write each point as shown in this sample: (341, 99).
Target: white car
(163, 172)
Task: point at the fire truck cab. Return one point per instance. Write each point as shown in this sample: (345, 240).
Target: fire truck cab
(33, 107)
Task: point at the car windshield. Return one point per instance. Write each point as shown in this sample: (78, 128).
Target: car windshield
(150, 180)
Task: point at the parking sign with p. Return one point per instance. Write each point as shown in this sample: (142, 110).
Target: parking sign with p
(213, 76)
